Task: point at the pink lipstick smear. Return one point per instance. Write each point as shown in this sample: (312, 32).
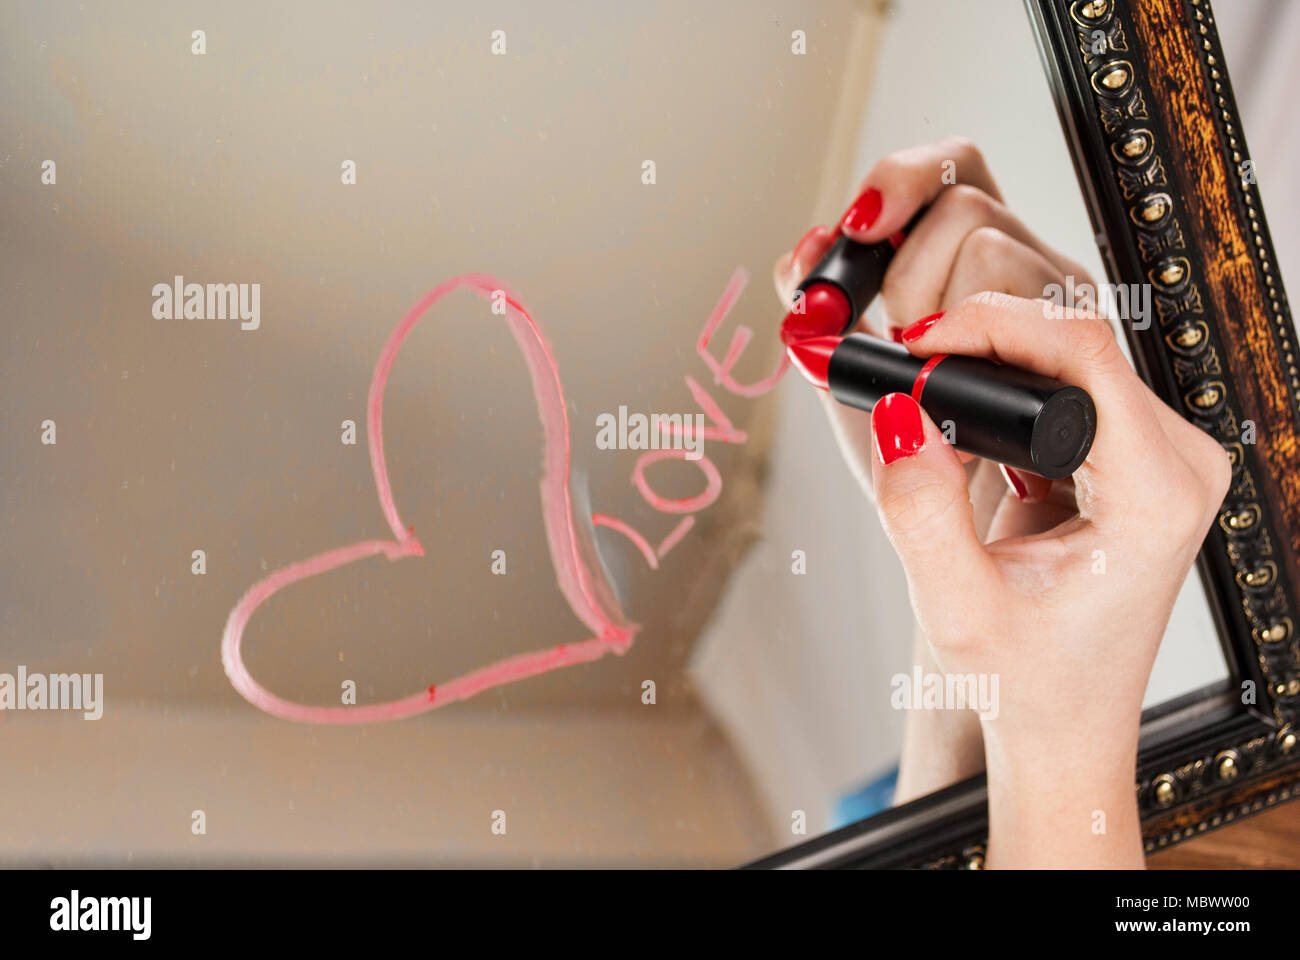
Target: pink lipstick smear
(579, 576)
(578, 570)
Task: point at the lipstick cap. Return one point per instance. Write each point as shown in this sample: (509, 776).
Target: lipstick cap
(1012, 416)
(996, 411)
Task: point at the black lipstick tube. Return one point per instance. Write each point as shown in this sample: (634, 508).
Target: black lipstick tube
(996, 411)
(857, 269)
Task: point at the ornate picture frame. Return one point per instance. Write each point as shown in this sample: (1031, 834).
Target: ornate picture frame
(1149, 115)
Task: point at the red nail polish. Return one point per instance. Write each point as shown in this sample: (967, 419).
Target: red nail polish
(896, 334)
(864, 211)
(917, 330)
(1014, 481)
(896, 422)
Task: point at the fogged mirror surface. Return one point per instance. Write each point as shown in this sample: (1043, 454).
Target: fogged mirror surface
(629, 176)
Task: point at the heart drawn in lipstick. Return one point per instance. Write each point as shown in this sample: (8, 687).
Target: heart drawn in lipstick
(578, 571)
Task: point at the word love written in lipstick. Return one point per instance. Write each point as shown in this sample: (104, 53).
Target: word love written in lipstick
(578, 573)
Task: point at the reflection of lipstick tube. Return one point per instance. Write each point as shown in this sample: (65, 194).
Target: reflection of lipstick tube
(997, 411)
(856, 269)
(845, 281)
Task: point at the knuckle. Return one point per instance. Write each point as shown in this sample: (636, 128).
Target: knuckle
(986, 247)
(887, 169)
(971, 201)
(1093, 340)
(1216, 472)
(985, 307)
(911, 511)
(1222, 475)
(963, 148)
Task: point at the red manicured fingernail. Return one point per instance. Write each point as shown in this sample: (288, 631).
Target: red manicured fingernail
(1014, 481)
(896, 422)
(896, 334)
(864, 211)
(917, 330)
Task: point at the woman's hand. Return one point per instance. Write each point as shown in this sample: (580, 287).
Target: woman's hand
(1061, 591)
(1068, 619)
(966, 242)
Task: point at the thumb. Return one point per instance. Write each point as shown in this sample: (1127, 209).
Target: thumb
(925, 508)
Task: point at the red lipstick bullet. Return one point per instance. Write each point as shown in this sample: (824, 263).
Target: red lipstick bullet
(839, 288)
(813, 358)
(824, 310)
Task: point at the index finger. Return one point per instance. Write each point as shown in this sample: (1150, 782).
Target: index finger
(902, 183)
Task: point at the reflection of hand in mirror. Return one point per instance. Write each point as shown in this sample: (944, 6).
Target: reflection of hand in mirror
(965, 243)
(1066, 599)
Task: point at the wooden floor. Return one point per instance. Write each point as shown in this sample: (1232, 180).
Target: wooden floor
(1265, 841)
